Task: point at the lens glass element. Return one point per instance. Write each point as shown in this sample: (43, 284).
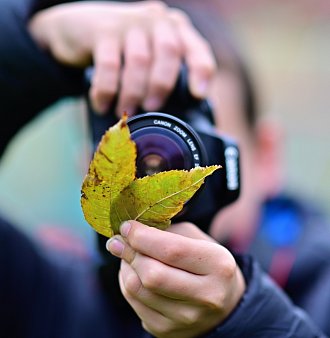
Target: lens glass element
(160, 150)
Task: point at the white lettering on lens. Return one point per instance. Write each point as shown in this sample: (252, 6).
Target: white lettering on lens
(163, 123)
(180, 131)
(231, 156)
(191, 144)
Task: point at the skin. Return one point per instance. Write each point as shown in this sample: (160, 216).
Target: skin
(153, 38)
(180, 282)
(261, 160)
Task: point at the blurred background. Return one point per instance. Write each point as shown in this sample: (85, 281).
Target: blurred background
(287, 44)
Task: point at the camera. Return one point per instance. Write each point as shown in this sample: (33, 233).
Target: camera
(181, 135)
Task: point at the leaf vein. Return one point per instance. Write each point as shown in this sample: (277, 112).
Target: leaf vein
(170, 196)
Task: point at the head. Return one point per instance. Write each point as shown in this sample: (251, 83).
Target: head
(259, 139)
(232, 95)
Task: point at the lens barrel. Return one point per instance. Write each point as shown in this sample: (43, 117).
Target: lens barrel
(164, 143)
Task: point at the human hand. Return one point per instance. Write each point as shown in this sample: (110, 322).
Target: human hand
(180, 282)
(150, 37)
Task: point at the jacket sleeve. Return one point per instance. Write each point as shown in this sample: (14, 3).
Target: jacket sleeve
(264, 311)
(30, 79)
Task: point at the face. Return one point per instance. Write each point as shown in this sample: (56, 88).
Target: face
(260, 174)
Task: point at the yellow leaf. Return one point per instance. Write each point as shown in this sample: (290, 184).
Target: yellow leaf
(111, 193)
(154, 200)
(111, 170)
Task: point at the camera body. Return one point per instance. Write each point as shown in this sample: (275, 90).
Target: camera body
(182, 136)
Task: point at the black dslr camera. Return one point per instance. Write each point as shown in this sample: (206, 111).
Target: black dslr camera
(182, 136)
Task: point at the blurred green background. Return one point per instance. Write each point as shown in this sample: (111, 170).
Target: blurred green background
(287, 46)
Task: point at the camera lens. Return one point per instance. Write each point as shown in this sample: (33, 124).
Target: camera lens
(159, 150)
(164, 143)
(152, 164)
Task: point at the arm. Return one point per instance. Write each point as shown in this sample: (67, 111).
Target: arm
(43, 55)
(25, 69)
(30, 79)
(137, 49)
(183, 284)
(79, 33)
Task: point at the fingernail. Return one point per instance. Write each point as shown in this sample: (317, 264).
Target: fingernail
(152, 103)
(115, 246)
(125, 228)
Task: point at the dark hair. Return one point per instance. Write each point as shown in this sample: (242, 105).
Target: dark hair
(207, 19)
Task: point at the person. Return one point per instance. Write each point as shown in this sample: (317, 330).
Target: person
(192, 287)
(287, 233)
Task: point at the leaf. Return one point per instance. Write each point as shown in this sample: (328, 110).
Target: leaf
(154, 200)
(111, 193)
(111, 170)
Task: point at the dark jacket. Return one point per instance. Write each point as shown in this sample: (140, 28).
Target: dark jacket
(292, 245)
(43, 297)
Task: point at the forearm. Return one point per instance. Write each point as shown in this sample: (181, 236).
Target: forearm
(26, 71)
(30, 79)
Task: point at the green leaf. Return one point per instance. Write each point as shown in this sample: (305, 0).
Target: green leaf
(154, 200)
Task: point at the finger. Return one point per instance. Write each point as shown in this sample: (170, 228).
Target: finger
(198, 55)
(192, 255)
(154, 275)
(189, 230)
(166, 64)
(172, 308)
(107, 68)
(152, 320)
(146, 276)
(135, 74)
(117, 246)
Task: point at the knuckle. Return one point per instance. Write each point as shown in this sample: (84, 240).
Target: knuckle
(214, 301)
(161, 86)
(108, 63)
(129, 255)
(99, 92)
(132, 284)
(189, 318)
(153, 277)
(207, 67)
(156, 6)
(132, 96)
(171, 47)
(140, 59)
(179, 16)
(136, 235)
(228, 268)
(102, 90)
(174, 253)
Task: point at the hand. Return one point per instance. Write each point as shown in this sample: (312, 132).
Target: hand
(180, 282)
(152, 38)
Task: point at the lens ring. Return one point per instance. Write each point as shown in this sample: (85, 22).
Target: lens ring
(174, 137)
